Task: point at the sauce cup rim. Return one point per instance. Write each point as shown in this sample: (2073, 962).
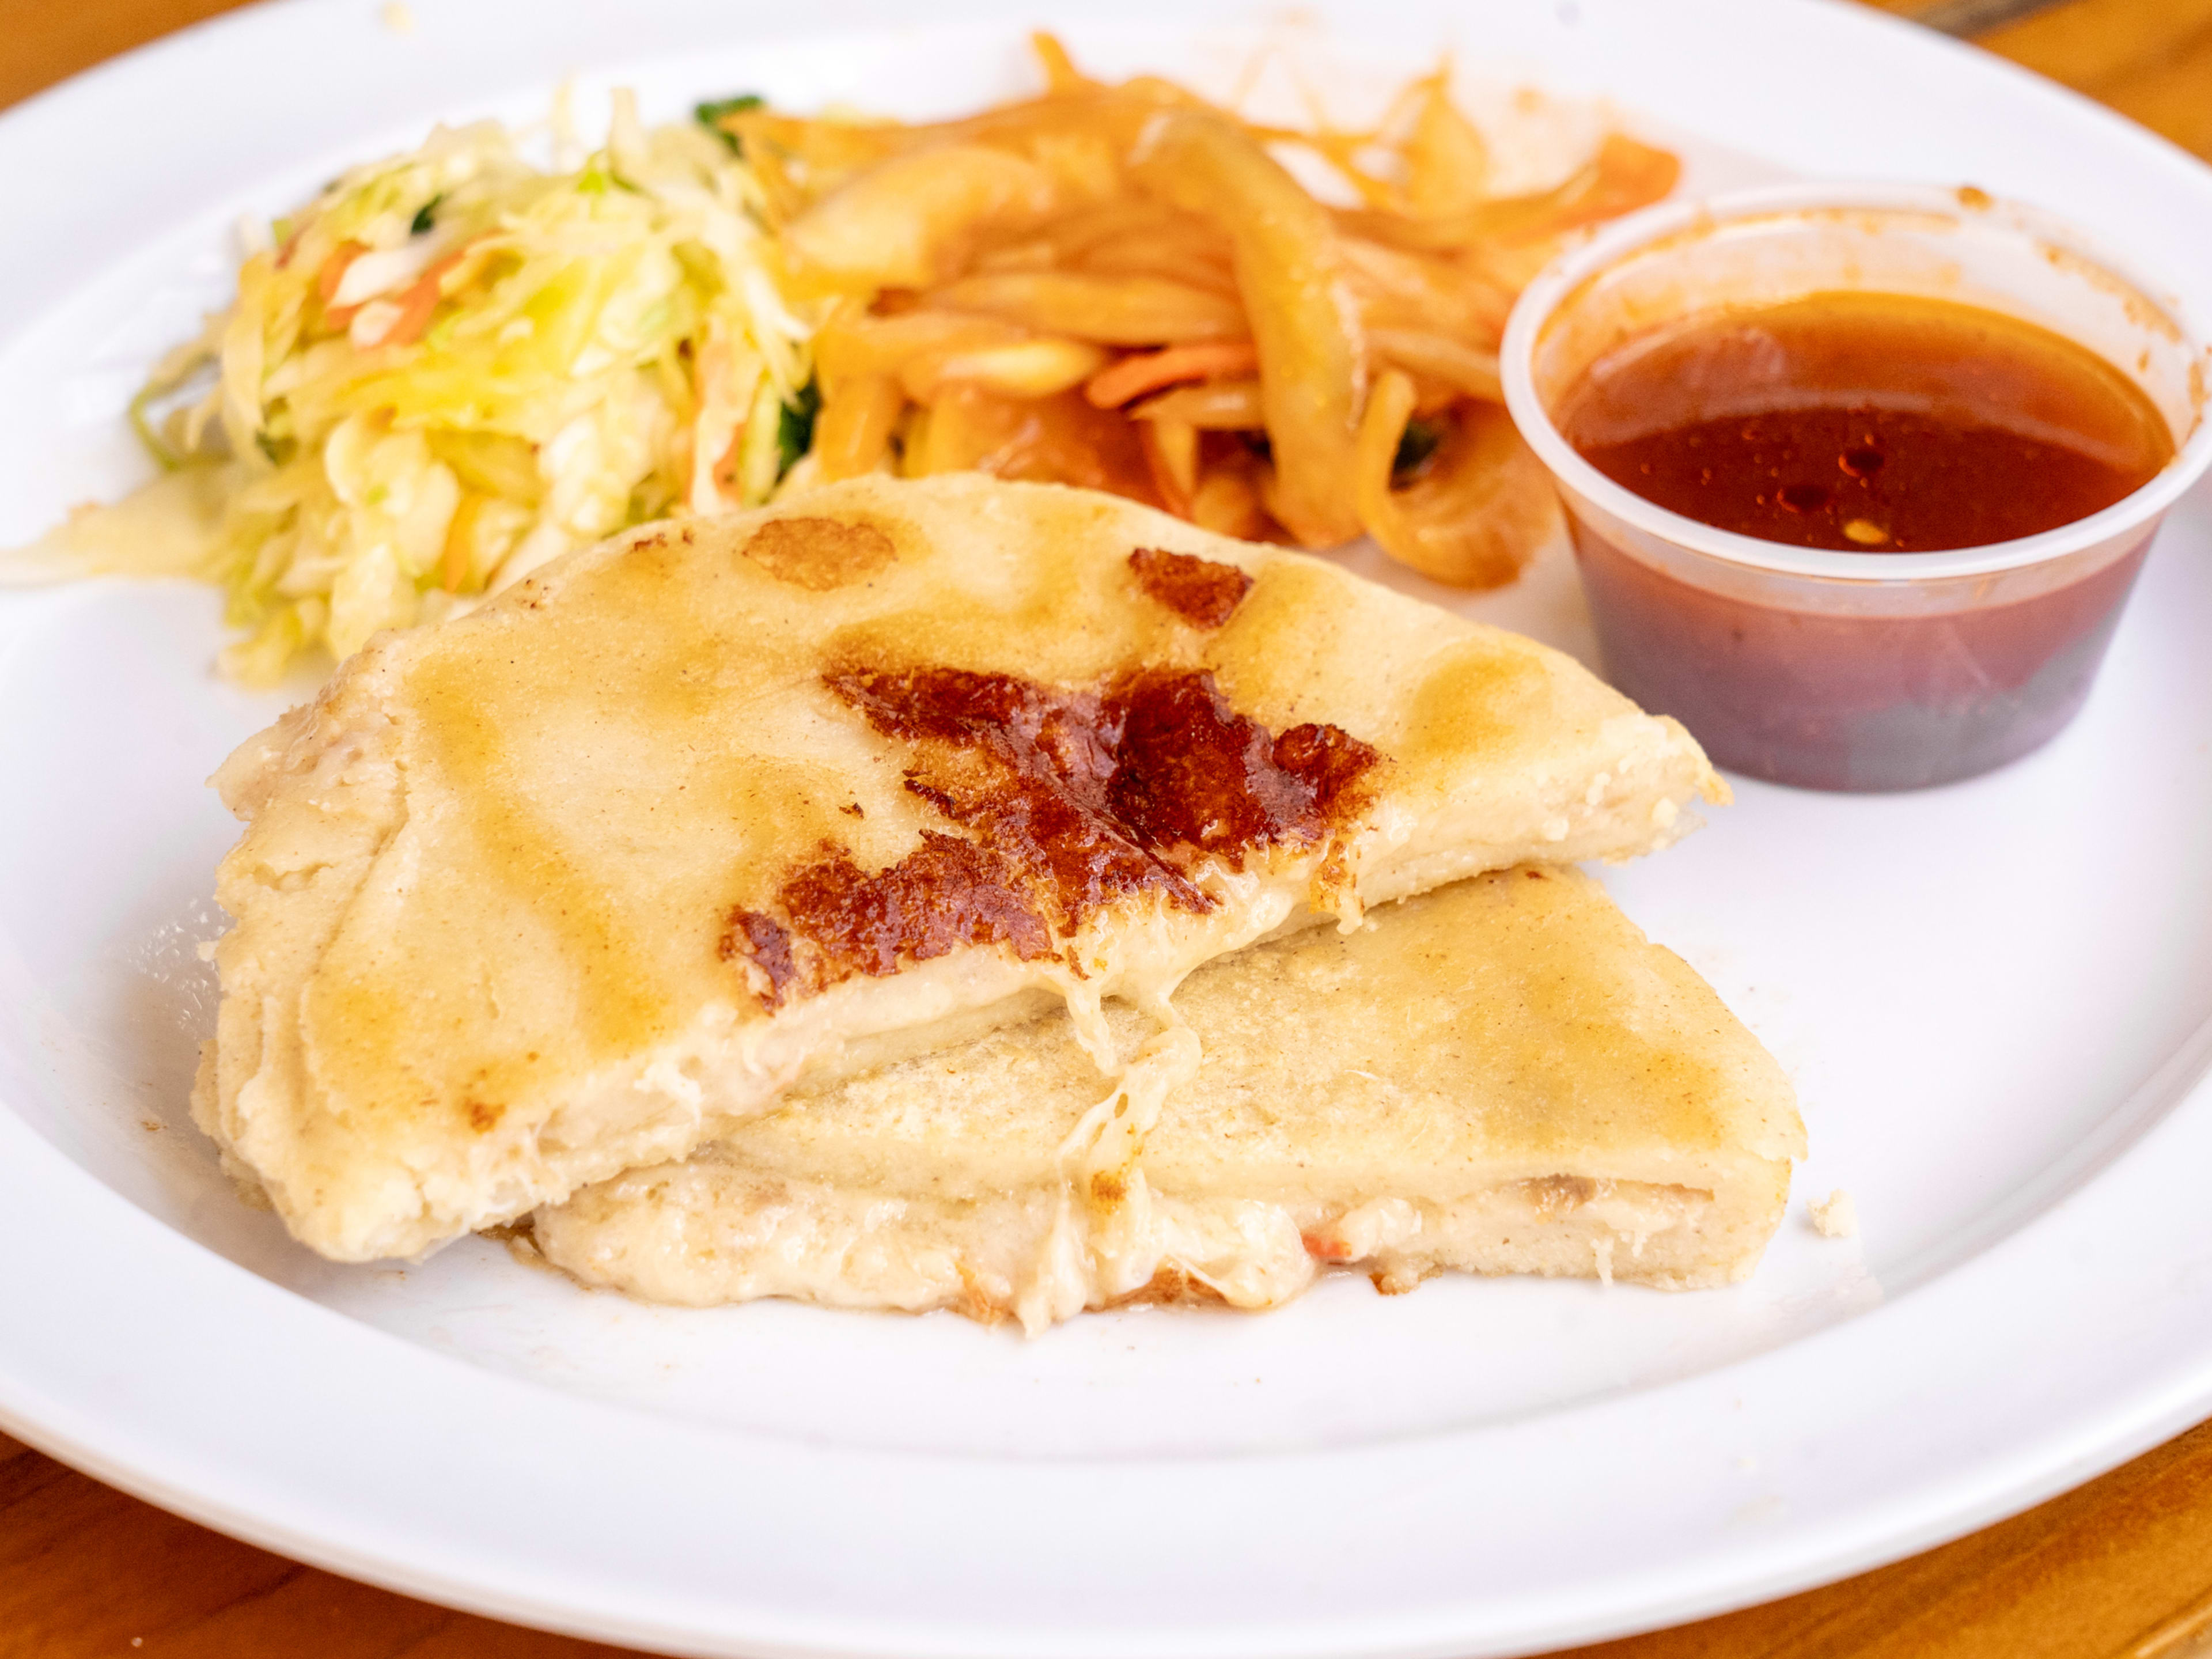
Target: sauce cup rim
(1568, 273)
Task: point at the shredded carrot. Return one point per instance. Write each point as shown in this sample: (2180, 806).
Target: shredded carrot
(328, 278)
(334, 270)
(416, 304)
(1134, 376)
(732, 461)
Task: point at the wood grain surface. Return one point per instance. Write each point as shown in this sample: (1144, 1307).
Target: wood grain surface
(2120, 1569)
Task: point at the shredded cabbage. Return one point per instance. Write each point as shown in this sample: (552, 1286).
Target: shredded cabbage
(452, 366)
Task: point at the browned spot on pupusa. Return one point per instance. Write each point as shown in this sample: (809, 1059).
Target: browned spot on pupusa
(764, 943)
(1170, 1286)
(946, 893)
(819, 554)
(1073, 800)
(1200, 590)
(1551, 1195)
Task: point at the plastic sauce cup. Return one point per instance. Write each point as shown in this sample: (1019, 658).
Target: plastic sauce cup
(1834, 670)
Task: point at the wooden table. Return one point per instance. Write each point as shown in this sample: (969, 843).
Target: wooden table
(2121, 1569)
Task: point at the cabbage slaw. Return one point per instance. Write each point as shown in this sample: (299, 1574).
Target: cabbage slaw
(452, 366)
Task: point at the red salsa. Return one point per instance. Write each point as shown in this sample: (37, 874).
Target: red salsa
(1878, 424)
(1867, 423)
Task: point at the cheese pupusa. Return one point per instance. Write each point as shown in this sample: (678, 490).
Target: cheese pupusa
(1504, 1076)
(577, 882)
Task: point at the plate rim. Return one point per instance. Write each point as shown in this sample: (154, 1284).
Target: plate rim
(39, 1185)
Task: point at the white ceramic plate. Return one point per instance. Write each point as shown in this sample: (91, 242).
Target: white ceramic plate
(1994, 999)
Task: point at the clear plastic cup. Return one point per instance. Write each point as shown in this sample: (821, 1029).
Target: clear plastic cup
(1835, 670)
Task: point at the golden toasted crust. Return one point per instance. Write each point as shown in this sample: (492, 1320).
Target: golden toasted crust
(1502, 1076)
(491, 905)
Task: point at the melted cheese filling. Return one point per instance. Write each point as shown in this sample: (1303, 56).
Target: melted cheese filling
(702, 1235)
